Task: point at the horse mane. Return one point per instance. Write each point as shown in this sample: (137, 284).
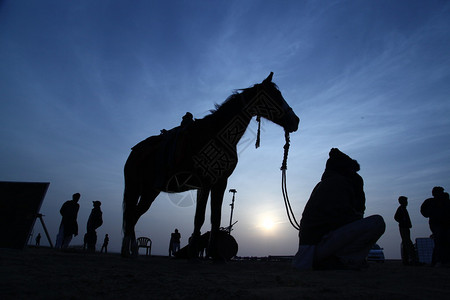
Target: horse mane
(236, 93)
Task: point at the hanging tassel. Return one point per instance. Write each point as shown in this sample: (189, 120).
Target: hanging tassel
(286, 151)
(258, 135)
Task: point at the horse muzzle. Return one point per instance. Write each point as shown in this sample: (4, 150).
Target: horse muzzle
(291, 122)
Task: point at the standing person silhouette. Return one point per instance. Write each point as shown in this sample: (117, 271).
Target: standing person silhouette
(408, 252)
(437, 210)
(105, 244)
(69, 226)
(38, 240)
(95, 221)
(174, 244)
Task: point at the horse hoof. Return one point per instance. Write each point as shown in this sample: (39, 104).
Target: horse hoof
(125, 251)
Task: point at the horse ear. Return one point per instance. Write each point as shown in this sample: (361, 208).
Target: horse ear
(269, 78)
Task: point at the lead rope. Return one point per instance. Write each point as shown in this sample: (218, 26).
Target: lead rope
(283, 168)
(258, 135)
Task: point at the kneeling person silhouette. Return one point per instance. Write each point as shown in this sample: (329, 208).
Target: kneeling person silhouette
(333, 231)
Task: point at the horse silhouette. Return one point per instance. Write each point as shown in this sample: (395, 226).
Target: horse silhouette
(201, 155)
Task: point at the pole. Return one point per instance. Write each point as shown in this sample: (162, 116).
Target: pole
(232, 207)
(45, 230)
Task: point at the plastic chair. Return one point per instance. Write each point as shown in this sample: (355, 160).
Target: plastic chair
(144, 242)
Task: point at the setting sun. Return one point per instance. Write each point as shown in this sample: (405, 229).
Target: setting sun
(268, 224)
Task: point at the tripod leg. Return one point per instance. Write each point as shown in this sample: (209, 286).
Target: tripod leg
(45, 230)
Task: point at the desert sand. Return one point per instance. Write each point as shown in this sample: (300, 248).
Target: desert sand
(44, 273)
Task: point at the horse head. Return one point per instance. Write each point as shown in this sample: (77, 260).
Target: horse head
(270, 104)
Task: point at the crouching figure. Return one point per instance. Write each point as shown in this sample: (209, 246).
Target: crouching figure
(333, 231)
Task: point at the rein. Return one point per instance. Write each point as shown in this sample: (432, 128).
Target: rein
(258, 135)
(283, 169)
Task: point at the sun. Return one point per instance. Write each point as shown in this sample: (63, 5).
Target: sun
(268, 224)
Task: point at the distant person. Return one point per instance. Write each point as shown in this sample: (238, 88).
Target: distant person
(404, 224)
(105, 244)
(69, 226)
(38, 240)
(174, 244)
(437, 210)
(333, 231)
(95, 221)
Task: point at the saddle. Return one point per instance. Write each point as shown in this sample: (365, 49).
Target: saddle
(166, 150)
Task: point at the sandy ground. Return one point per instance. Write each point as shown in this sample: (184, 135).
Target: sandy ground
(43, 273)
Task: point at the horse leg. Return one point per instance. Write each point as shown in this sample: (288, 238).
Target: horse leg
(147, 198)
(200, 209)
(217, 193)
(131, 194)
(130, 199)
(132, 213)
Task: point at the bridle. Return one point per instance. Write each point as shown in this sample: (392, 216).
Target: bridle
(283, 168)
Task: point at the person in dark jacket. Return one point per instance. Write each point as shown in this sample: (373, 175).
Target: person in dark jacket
(174, 244)
(437, 210)
(105, 244)
(95, 221)
(408, 252)
(69, 226)
(333, 231)
(38, 240)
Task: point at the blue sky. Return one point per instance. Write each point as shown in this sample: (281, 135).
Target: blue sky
(81, 82)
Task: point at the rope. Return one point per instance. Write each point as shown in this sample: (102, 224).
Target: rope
(258, 135)
(286, 150)
(287, 203)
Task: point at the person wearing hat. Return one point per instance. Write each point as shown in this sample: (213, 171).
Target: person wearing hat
(95, 221)
(437, 210)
